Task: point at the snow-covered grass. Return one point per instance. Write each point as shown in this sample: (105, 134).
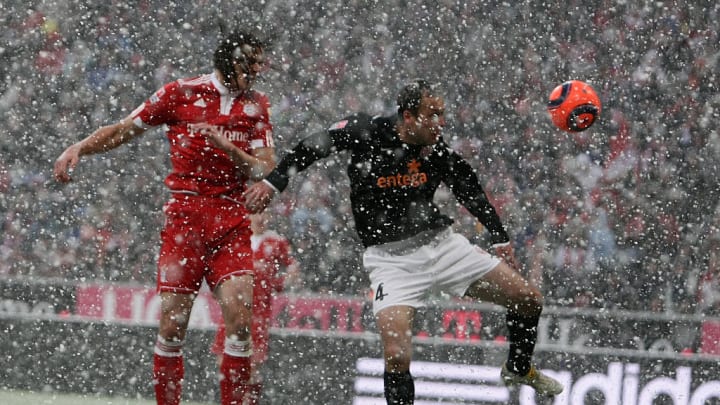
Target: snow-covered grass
(12, 397)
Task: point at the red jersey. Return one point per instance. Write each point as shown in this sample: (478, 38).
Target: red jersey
(193, 108)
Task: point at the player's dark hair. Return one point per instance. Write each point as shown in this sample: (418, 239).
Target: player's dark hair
(230, 51)
(412, 93)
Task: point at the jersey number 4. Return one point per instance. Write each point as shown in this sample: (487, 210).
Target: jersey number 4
(379, 295)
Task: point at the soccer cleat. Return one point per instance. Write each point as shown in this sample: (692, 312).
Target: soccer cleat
(534, 378)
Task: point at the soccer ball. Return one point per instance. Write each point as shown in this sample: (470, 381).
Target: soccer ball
(574, 106)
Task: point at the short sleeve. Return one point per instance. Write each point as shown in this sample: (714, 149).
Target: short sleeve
(156, 110)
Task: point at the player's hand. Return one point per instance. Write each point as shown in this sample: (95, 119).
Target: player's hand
(220, 141)
(258, 197)
(507, 253)
(66, 163)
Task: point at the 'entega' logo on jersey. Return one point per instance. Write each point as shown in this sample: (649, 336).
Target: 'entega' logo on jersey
(413, 178)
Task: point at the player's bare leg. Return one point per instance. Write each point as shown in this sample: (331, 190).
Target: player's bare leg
(505, 286)
(235, 298)
(168, 370)
(395, 326)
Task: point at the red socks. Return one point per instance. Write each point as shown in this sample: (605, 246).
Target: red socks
(234, 372)
(168, 372)
(253, 394)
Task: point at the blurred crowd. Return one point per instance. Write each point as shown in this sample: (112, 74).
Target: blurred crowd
(625, 215)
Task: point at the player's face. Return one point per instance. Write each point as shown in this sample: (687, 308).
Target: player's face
(429, 121)
(247, 72)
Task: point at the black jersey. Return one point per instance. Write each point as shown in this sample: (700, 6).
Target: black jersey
(393, 183)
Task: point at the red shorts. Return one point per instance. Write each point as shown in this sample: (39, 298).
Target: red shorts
(203, 237)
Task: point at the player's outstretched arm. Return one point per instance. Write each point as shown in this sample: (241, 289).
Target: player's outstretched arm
(102, 140)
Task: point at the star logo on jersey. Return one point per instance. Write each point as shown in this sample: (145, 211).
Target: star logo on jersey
(200, 103)
(413, 167)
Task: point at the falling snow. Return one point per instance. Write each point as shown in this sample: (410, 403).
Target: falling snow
(618, 225)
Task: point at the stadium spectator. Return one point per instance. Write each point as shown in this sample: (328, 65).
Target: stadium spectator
(709, 283)
(655, 69)
(276, 270)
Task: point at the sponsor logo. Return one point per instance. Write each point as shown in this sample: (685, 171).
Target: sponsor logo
(621, 385)
(413, 178)
(18, 307)
(200, 103)
(208, 129)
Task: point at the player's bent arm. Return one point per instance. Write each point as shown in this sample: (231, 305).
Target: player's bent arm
(259, 164)
(255, 165)
(465, 185)
(102, 140)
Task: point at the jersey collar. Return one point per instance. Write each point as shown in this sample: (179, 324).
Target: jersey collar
(224, 91)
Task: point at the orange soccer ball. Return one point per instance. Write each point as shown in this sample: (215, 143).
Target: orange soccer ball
(574, 106)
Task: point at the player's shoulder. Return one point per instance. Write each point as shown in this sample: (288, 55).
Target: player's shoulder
(202, 81)
(383, 122)
(185, 87)
(361, 121)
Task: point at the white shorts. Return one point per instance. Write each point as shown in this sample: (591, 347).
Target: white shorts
(411, 271)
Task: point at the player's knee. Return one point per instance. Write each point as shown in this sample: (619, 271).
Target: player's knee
(240, 333)
(237, 326)
(172, 328)
(397, 358)
(526, 301)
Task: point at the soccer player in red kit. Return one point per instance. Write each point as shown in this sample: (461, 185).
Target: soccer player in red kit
(206, 233)
(275, 270)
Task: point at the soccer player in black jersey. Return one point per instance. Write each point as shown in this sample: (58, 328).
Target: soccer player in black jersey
(397, 164)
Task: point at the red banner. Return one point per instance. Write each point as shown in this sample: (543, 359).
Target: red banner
(710, 341)
(138, 305)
